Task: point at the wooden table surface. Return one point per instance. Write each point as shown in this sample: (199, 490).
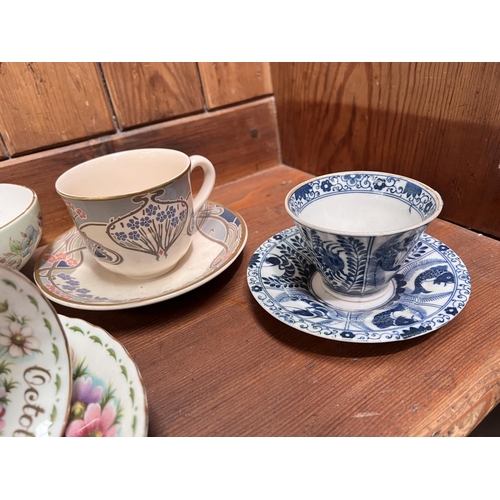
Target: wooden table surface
(214, 363)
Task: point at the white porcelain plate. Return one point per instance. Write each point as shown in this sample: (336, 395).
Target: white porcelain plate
(108, 397)
(429, 290)
(68, 275)
(35, 371)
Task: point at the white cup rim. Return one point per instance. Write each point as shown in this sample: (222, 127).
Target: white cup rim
(26, 209)
(424, 222)
(130, 193)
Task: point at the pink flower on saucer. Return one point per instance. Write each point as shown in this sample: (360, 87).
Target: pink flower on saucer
(19, 340)
(57, 257)
(95, 423)
(83, 395)
(56, 291)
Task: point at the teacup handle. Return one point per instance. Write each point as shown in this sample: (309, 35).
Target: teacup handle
(208, 181)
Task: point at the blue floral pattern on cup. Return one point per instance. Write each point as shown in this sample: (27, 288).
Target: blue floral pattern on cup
(361, 264)
(152, 228)
(356, 265)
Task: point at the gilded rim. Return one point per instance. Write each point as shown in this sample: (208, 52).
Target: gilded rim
(130, 194)
(151, 300)
(34, 199)
(425, 222)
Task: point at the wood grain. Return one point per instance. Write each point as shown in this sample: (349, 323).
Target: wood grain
(230, 82)
(436, 122)
(239, 141)
(214, 363)
(145, 93)
(48, 104)
(3, 151)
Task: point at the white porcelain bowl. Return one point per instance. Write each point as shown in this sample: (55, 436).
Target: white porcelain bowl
(20, 225)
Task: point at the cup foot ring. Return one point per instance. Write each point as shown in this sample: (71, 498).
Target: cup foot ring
(349, 302)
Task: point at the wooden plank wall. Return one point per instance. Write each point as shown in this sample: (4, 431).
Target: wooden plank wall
(436, 122)
(56, 115)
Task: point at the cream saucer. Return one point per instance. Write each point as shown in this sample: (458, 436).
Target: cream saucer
(108, 397)
(68, 275)
(35, 364)
(429, 290)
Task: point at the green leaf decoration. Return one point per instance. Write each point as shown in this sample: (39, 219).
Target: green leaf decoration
(4, 367)
(47, 324)
(112, 353)
(53, 415)
(96, 339)
(55, 352)
(9, 384)
(134, 423)
(33, 301)
(132, 395)
(80, 370)
(109, 394)
(16, 246)
(58, 382)
(77, 329)
(10, 283)
(124, 371)
(4, 306)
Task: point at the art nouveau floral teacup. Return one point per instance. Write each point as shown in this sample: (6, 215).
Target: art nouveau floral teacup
(135, 209)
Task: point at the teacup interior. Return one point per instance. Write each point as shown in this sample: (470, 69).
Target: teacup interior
(123, 173)
(14, 200)
(360, 212)
(363, 203)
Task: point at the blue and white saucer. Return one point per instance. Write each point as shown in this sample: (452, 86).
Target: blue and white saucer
(430, 289)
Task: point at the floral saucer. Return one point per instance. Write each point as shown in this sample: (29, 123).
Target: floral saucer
(108, 397)
(430, 289)
(68, 275)
(35, 369)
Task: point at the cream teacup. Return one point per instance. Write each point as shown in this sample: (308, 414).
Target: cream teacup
(20, 225)
(135, 209)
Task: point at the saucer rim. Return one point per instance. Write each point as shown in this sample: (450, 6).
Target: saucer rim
(63, 339)
(63, 318)
(143, 301)
(318, 301)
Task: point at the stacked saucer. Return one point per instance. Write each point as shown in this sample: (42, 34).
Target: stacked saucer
(35, 364)
(61, 376)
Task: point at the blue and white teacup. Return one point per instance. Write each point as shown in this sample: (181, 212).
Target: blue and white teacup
(135, 209)
(359, 227)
